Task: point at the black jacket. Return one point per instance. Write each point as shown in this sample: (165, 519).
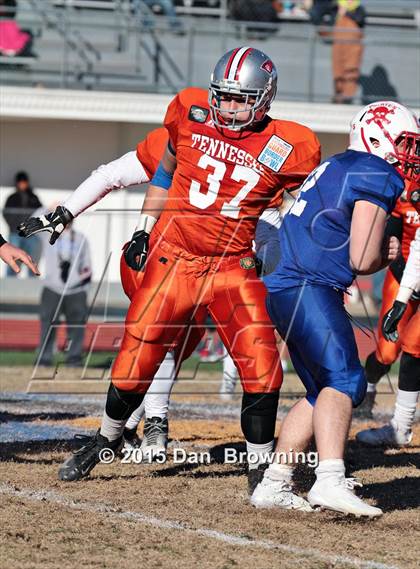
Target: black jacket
(27, 201)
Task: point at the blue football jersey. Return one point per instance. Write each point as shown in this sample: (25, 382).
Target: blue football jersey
(315, 234)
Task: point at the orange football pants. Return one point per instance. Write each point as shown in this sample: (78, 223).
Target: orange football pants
(189, 337)
(176, 290)
(408, 328)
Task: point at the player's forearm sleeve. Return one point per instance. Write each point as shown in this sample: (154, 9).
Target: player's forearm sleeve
(121, 173)
(410, 281)
(267, 246)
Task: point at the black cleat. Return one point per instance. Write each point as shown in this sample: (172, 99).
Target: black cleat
(131, 440)
(365, 409)
(84, 459)
(255, 475)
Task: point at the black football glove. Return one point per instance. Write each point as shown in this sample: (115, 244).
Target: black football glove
(391, 321)
(54, 223)
(259, 267)
(135, 254)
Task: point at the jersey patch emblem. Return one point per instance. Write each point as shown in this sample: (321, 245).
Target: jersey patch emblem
(247, 263)
(275, 153)
(198, 114)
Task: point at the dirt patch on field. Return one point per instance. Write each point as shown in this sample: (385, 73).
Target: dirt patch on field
(187, 514)
(44, 533)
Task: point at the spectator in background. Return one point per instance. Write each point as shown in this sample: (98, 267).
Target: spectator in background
(19, 205)
(14, 41)
(347, 49)
(259, 12)
(322, 12)
(67, 279)
(144, 8)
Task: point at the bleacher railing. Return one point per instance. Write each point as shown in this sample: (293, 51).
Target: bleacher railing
(115, 46)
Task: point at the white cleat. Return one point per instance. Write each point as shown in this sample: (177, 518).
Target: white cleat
(336, 493)
(388, 435)
(155, 439)
(278, 494)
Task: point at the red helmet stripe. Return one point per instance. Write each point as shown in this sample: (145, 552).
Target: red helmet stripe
(245, 55)
(229, 64)
(235, 61)
(364, 140)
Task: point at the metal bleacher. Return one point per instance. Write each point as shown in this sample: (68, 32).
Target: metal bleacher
(106, 45)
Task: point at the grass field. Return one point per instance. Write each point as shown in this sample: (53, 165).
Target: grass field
(184, 515)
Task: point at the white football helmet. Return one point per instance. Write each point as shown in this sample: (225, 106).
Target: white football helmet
(250, 76)
(392, 132)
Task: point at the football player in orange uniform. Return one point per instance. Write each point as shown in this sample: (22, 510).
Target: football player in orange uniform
(225, 163)
(403, 307)
(403, 223)
(135, 168)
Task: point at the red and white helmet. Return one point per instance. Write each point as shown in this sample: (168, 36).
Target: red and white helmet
(392, 132)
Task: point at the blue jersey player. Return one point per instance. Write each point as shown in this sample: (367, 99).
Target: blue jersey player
(333, 232)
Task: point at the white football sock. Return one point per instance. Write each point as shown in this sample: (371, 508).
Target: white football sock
(230, 373)
(111, 428)
(157, 397)
(405, 409)
(278, 471)
(136, 416)
(259, 453)
(330, 467)
(156, 400)
(371, 387)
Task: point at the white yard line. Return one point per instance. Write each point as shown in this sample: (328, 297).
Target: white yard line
(112, 511)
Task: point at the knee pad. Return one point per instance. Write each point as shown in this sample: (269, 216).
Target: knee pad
(120, 404)
(258, 416)
(409, 376)
(375, 369)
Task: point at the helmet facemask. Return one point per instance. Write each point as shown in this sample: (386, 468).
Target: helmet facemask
(407, 153)
(255, 102)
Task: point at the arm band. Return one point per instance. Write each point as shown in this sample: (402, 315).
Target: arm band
(162, 178)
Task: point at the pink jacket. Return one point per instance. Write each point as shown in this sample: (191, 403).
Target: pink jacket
(12, 39)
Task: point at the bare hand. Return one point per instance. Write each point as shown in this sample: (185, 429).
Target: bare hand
(391, 249)
(10, 254)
